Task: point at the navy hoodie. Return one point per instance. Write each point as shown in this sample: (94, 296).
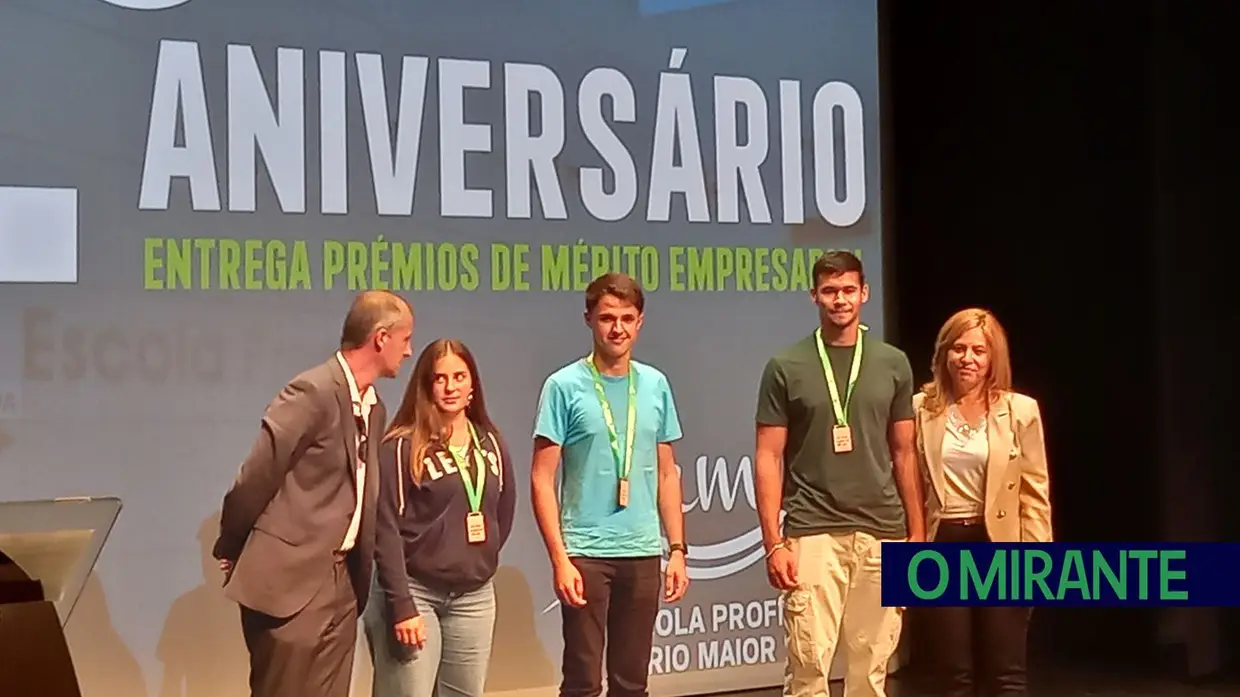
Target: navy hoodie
(427, 540)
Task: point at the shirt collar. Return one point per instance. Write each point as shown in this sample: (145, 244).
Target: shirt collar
(365, 401)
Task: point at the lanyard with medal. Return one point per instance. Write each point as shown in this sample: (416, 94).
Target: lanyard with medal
(475, 523)
(841, 433)
(624, 461)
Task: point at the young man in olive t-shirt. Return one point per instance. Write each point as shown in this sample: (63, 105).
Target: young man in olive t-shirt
(835, 450)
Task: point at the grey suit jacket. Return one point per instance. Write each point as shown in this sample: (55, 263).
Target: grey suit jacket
(289, 509)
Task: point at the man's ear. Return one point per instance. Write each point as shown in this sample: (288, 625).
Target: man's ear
(641, 318)
(865, 292)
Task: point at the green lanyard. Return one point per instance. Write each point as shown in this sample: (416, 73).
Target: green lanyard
(472, 490)
(623, 462)
(841, 409)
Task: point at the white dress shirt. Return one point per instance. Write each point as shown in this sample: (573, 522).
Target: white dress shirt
(362, 404)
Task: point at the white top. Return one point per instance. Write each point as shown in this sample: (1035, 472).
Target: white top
(361, 407)
(965, 451)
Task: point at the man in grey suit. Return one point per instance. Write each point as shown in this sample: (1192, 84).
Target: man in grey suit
(297, 529)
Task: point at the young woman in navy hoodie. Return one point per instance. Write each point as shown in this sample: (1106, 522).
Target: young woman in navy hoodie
(446, 506)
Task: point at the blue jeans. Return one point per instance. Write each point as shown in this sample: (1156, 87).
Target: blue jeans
(459, 628)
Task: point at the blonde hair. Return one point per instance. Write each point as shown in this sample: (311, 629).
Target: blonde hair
(998, 378)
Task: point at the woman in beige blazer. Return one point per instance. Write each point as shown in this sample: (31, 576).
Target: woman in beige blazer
(983, 459)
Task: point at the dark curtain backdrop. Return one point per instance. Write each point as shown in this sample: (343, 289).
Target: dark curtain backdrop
(1072, 167)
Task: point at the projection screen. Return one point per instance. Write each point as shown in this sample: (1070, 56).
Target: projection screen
(192, 190)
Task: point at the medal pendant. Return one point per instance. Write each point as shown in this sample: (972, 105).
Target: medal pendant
(475, 528)
(841, 439)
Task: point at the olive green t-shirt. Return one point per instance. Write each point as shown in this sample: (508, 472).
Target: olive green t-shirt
(825, 491)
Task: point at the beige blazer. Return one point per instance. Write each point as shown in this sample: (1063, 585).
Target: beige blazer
(1017, 500)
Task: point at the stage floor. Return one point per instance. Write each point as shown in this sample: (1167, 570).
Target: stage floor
(1067, 684)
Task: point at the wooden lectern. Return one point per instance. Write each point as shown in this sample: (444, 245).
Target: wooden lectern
(47, 551)
(36, 657)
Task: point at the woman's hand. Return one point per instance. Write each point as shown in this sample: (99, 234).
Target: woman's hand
(411, 632)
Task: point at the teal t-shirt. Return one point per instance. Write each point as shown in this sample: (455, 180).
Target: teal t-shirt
(570, 415)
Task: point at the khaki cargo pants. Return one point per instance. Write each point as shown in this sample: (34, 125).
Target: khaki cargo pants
(839, 594)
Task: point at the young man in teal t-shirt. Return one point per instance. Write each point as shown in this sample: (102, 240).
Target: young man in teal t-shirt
(610, 421)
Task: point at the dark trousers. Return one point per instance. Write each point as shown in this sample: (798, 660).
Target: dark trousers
(622, 602)
(973, 651)
(311, 653)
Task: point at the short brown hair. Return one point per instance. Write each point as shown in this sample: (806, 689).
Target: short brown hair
(836, 262)
(618, 285)
(371, 310)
